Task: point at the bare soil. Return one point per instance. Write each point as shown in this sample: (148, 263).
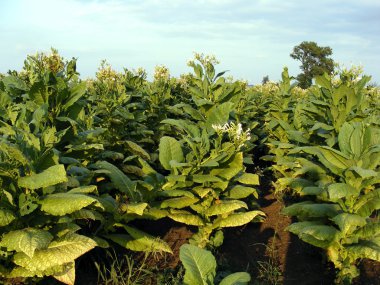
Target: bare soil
(270, 245)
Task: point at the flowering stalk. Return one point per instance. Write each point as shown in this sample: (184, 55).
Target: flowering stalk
(235, 133)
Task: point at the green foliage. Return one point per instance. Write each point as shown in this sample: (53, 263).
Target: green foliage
(200, 268)
(80, 160)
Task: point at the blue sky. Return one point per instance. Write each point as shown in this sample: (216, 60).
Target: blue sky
(251, 38)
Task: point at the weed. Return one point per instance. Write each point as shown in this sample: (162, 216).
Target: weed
(122, 270)
(269, 271)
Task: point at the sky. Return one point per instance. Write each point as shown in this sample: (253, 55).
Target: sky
(251, 38)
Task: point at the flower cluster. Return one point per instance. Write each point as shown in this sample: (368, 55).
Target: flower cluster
(270, 88)
(348, 75)
(184, 80)
(205, 60)
(140, 72)
(161, 73)
(106, 73)
(235, 132)
(298, 92)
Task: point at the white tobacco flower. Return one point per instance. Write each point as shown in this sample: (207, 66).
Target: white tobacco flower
(161, 72)
(239, 131)
(235, 132)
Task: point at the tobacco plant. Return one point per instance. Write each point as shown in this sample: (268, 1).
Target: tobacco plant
(207, 179)
(342, 217)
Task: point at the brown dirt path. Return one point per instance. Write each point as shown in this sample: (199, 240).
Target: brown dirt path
(270, 245)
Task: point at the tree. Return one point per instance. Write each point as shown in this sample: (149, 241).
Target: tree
(315, 61)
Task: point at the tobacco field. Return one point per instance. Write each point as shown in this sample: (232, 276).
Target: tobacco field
(94, 173)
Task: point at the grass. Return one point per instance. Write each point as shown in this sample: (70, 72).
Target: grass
(123, 270)
(269, 271)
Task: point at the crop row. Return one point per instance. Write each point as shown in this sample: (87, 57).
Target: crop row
(81, 160)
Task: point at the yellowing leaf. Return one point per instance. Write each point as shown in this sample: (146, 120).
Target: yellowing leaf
(237, 219)
(59, 252)
(249, 179)
(53, 175)
(26, 240)
(60, 204)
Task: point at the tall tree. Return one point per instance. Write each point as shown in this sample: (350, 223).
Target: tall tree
(315, 60)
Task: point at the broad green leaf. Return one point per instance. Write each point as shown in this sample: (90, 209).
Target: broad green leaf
(334, 159)
(311, 190)
(84, 214)
(13, 152)
(178, 203)
(366, 249)
(234, 166)
(200, 265)
(219, 114)
(176, 193)
(144, 242)
(224, 207)
(136, 208)
(38, 93)
(6, 217)
(349, 222)
(187, 126)
(364, 173)
(53, 175)
(76, 92)
(169, 149)
(151, 242)
(60, 204)
(101, 242)
(366, 209)
(84, 189)
(155, 213)
(48, 137)
(249, 179)
(202, 191)
(119, 179)
(320, 125)
(311, 210)
(57, 269)
(85, 147)
(138, 150)
(238, 278)
(64, 250)
(297, 228)
(39, 116)
(367, 203)
(176, 178)
(344, 138)
(185, 217)
(113, 155)
(352, 100)
(62, 229)
(338, 191)
(194, 113)
(66, 277)
(340, 93)
(241, 192)
(26, 240)
(323, 81)
(146, 168)
(15, 82)
(202, 178)
(237, 219)
(314, 233)
(369, 230)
